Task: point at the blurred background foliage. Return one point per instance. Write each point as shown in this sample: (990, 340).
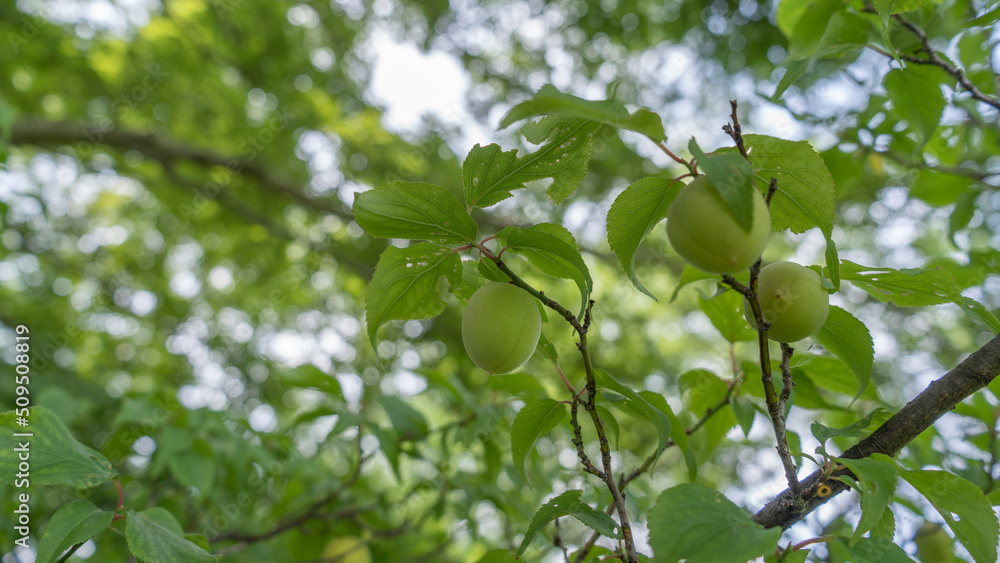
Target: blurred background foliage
(175, 230)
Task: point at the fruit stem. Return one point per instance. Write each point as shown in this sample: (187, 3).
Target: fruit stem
(800, 545)
(121, 493)
(566, 382)
(670, 153)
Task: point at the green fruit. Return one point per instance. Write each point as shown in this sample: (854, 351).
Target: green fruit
(792, 299)
(500, 327)
(934, 545)
(704, 232)
(347, 549)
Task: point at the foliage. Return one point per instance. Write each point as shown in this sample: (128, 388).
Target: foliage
(231, 287)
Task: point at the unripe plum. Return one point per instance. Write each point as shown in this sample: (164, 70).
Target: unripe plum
(934, 545)
(704, 232)
(500, 327)
(792, 299)
(347, 549)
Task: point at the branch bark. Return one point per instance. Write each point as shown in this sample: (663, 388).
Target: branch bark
(163, 150)
(942, 395)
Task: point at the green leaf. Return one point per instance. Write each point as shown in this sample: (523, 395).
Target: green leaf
(789, 14)
(725, 310)
(550, 101)
(638, 405)
(798, 556)
(56, 457)
(498, 556)
(193, 468)
(810, 26)
(833, 264)
(844, 32)
(406, 420)
(965, 208)
(489, 174)
(569, 504)
(535, 419)
(690, 274)
(823, 433)
(405, 284)
(875, 550)
(388, 442)
(905, 288)
(977, 311)
(489, 270)
(886, 526)
(154, 536)
(916, 96)
(805, 195)
(546, 348)
(414, 210)
(886, 8)
(699, 525)
(553, 250)
(199, 540)
(849, 339)
(677, 432)
(73, 523)
(877, 485)
(816, 29)
(794, 69)
(310, 376)
(939, 188)
(976, 526)
(744, 411)
(732, 177)
(633, 215)
(989, 18)
(701, 390)
(829, 374)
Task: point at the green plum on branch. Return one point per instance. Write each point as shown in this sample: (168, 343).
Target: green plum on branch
(500, 327)
(704, 232)
(792, 299)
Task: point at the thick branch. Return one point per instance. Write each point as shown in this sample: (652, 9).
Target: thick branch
(588, 466)
(974, 373)
(165, 150)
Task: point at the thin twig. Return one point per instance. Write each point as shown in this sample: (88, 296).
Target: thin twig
(735, 131)
(771, 189)
(609, 478)
(558, 542)
(624, 481)
(590, 404)
(314, 511)
(933, 58)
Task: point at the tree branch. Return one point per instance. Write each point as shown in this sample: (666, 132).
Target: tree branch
(942, 395)
(164, 150)
(933, 58)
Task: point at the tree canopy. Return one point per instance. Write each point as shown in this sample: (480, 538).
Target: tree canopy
(237, 238)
